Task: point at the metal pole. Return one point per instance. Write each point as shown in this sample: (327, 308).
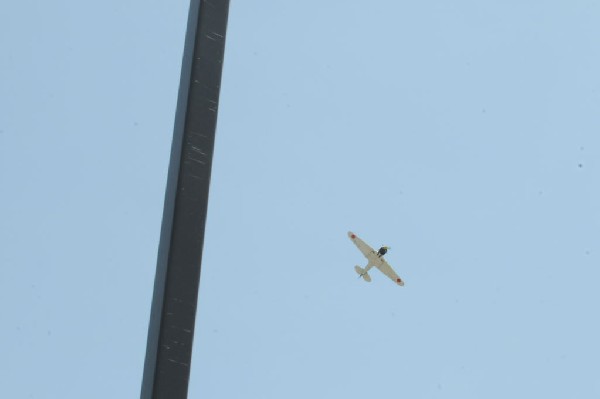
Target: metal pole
(173, 314)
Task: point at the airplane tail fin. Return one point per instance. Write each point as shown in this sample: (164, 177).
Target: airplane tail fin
(362, 273)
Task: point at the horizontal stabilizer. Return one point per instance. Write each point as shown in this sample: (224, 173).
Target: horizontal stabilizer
(363, 273)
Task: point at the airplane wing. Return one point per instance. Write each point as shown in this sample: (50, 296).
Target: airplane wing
(386, 269)
(364, 248)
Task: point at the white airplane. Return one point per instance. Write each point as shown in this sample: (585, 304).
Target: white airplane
(375, 259)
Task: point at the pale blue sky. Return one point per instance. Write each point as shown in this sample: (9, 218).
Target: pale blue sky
(462, 134)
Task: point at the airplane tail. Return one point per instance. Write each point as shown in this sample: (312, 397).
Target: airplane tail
(362, 273)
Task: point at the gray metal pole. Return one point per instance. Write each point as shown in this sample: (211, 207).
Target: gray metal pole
(172, 319)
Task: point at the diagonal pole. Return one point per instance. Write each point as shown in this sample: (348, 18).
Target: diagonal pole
(173, 314)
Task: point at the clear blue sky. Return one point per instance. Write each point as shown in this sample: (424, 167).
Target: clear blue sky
(465, 135)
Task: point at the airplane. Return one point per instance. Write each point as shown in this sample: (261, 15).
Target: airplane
(375, 259)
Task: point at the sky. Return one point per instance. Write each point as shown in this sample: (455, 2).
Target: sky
(464, 135)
